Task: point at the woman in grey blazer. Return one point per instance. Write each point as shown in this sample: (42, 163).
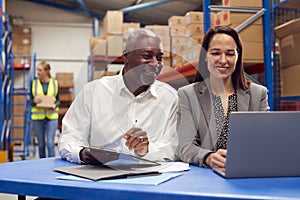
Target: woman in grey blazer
(220, 88)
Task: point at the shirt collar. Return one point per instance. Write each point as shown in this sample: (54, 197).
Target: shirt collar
(123, 90)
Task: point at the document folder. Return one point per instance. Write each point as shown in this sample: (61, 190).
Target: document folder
(114, 165)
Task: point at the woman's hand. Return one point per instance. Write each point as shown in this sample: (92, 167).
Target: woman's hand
(37, 100)
(217, 159)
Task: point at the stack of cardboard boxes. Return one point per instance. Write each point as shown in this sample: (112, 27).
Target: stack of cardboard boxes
(163, 32)
(111, 44)
(65, 82)
(187, 33)
(127, 28)
(178, 39)
(252, 35)
(289, 44)
(21, 37)
(194, 34)
(114, 34)
(18, 108)
(183, 35)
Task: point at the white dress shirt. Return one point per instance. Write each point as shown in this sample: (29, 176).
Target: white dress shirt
(105, 110)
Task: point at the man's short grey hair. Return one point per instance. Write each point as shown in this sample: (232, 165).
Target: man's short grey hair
(136, 36)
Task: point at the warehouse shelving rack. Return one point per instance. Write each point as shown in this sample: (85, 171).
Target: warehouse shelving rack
(282, 12)
(189, 70)
(186, 72)
(27, 144)
(98, 62)
(5, 81)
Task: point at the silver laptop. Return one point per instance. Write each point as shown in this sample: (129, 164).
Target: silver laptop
(263, 144)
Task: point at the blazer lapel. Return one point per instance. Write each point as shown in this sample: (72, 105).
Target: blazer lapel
(204, 97)
(204, 100)
(243, 100)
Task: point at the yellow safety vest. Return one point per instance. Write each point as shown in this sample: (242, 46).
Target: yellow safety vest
(37, 90)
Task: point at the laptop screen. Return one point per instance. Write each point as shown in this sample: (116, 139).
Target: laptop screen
(263, 144)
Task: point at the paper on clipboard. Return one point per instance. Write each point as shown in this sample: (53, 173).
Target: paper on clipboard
(47, 102)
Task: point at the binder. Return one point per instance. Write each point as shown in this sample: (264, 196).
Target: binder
(113, 165)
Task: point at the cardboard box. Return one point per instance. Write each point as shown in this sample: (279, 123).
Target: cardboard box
(178, 48)
(253, 52)
(228, 18)
(289, 42)
(290, 81)
(18, 109)
(252, 33)
(159, 30)
(178, 45)
(18, 120)
(191, 55)
(21, 30)
(167, 54)
(194, 30)
(19, 99)
(166, 41)
(115, 45)
(18, 132)
(194, 41)
(98, 46)
(65, 96)
(176, 60)
(127, 28)
(175, 21)
(65, 79)
(21, 50)
(238, 18)
(242, 3)
(21, 41)
(222, 18)
(167, 62)
(64, 75)
(112, 22)
(47, 102)
(178, 40)
(178, 31)
(194, 17)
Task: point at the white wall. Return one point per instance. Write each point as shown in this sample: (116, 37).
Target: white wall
(58, 36)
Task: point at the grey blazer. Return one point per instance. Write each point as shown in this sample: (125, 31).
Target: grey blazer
(196, 121)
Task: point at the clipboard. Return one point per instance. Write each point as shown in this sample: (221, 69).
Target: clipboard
(114, 165)
(47, 102)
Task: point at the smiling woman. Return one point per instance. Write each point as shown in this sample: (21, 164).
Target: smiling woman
(220, 88)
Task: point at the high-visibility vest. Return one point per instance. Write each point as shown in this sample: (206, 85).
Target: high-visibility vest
(37, 90)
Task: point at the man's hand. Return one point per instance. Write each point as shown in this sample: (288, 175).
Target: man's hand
(87, 157)
(137, 140)
(217, 159)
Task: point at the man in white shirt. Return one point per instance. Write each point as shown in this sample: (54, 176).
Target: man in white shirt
(131, 112)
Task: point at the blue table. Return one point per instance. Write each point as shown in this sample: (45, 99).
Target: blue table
(37, 178)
